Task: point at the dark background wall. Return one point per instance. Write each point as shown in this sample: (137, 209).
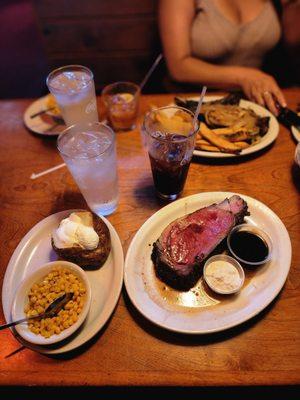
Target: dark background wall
(23, 63)
(117, 39)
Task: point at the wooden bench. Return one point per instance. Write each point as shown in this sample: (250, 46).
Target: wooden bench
(117, 40)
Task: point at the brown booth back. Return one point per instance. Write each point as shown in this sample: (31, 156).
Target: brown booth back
(117, 39)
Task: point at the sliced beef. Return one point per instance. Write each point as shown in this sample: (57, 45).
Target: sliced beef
(179, 252)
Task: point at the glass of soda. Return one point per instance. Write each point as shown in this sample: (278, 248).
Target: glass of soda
(169, 134)
(122, 102)
(89, 151)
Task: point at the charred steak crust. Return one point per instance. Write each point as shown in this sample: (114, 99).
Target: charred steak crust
(167, 274)
(179, 253)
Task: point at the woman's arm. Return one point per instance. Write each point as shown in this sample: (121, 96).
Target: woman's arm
(175, 20)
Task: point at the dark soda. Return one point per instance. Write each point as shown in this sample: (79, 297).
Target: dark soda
(169, 176)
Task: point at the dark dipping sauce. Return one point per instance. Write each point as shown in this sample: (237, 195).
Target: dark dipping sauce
(249, 246)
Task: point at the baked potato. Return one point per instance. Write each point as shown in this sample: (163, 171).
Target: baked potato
(70, 248)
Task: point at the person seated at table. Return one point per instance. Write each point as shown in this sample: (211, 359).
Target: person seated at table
(222, 44)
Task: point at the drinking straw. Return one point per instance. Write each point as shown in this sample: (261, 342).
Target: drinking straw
(147, 76)
(34, 176)
(199, 105)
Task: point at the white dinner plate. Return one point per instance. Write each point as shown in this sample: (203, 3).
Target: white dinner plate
(265, 141)
(106, 282)
(296, 132)
(45, 124)
(204, 314)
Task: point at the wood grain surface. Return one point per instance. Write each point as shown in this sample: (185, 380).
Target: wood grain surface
(130, 350)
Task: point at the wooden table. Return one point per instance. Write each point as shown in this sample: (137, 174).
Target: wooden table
(130, 350)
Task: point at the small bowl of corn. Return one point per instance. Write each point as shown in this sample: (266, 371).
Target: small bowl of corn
(41, 288)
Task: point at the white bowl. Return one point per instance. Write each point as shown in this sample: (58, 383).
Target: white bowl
(256, 231)
(21, 300)
(232, 262)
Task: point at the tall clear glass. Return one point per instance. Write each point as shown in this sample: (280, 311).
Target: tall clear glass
(89, 151)
(74, 90)
(169, 134)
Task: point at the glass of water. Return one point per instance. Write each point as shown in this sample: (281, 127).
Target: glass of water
(74, 90)
(89, 151)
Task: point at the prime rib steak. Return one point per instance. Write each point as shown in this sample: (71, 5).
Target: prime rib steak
(179, 252)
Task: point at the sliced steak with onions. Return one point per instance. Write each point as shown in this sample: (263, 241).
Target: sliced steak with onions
(179, 252)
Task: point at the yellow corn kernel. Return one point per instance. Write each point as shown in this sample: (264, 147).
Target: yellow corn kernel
(27, 308)
(57, 330)
(74, 318)
(66, 324)
(40, 309)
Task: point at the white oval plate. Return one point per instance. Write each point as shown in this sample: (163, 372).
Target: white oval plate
(106, 282)
(253, 298)
(266, 140)
(295, 133)
(44, 124)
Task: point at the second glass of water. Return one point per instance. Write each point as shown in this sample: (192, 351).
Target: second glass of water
(89, 151)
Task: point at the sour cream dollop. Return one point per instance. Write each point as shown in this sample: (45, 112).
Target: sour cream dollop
(73, 232)
(223, 274)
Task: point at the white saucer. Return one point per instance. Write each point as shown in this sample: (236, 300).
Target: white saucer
(45, 124)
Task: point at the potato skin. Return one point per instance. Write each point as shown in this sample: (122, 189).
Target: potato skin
(88, 258)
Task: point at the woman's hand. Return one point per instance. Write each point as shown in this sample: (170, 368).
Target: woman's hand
(175, 21)
(260, 88)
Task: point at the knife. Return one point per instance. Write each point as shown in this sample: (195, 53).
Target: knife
(288, 117)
